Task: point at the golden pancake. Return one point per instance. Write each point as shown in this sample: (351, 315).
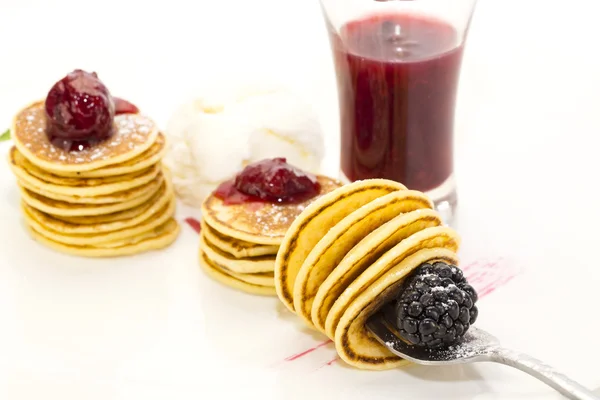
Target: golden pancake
(241, 266)
(342, 237)
(354, 344)
(236, 248)
(67, 209)
(218, 275)
(314, 222)
(429, 238)
(148, 158)
(134, 134)
(161, 237)
(117, 197)
(260, 279)
(363, 255)
(88, 187)
(104, 223)
(100, 239)
(261, 223)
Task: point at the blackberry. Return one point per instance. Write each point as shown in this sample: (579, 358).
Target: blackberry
(436, 306)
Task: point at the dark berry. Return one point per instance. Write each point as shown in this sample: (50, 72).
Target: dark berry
(427, 299)
(464, 316)
(415, 309)
(427, 326)
(474, 313)
(432, 312)
(435, 306)
(460, 328)
(426, 338)
(453, 309)
(277, 181)
(469, 289)
(79, 107)
(410, 325)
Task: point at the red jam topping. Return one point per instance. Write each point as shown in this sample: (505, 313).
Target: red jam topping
(124, 107)
(270, 180)
(80, 111)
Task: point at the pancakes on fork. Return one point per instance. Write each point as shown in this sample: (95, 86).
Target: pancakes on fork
(239, 242)
(110, 198)
(347, 254)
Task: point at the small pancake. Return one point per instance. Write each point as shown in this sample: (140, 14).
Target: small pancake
(241, 266)
(130, 234)
(161, 237)
(363, 255)
(260, 279)
(314, 222)
(102, 223)
(261, 223)
(133, 135)
(341, 238)
(117, 197)
(428, 238)
(148, 158)
(354, 344)
(87, 187)
(236, 248)
(218, 275)
(63, 208)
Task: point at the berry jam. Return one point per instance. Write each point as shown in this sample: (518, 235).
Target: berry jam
(79, 107)
(80, 111)
(124, 107)
(271, 180)
(397, 78)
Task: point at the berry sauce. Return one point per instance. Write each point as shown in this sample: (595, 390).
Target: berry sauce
(397, 77)
(270, 180)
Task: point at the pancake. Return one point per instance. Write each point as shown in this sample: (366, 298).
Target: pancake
(261, 223)
(161, 237)
(134, 134)
(148, 158)
(104, 223)
(354, 344)
(428, 238)
(67, 209)
(314, 222)
(342, 237)
(363, 255)
(241, 266)
(87, 187)
(117, 197)
(220, 276)
(130, 234)
(236, 248)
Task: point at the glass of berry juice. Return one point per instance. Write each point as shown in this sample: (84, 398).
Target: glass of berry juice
(397, 66)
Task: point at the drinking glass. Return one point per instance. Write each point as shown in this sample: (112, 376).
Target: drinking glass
(397, 66)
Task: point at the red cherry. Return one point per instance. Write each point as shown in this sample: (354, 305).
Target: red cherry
(124, 107)
(79, 107)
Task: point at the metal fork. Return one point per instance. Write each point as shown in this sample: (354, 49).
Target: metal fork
(477, 346)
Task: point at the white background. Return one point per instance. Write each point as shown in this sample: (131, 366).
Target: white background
(527, 164)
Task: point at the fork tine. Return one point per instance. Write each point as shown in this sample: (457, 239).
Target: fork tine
(379, 328)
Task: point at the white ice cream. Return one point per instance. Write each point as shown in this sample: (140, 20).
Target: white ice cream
(214, 137)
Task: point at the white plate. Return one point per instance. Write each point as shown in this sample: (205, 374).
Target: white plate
(154, 327)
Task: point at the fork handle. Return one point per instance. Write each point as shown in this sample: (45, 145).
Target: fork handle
(545, 373)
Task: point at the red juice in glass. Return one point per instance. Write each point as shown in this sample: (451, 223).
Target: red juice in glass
(397, 77)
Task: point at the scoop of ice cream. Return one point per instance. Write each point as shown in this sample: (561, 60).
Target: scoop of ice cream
(214, 137)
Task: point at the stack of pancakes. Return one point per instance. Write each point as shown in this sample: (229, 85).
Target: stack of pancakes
(346, 255)
(239, 242)
(105, 199)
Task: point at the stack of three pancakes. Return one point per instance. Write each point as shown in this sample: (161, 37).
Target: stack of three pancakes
(110, 198)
